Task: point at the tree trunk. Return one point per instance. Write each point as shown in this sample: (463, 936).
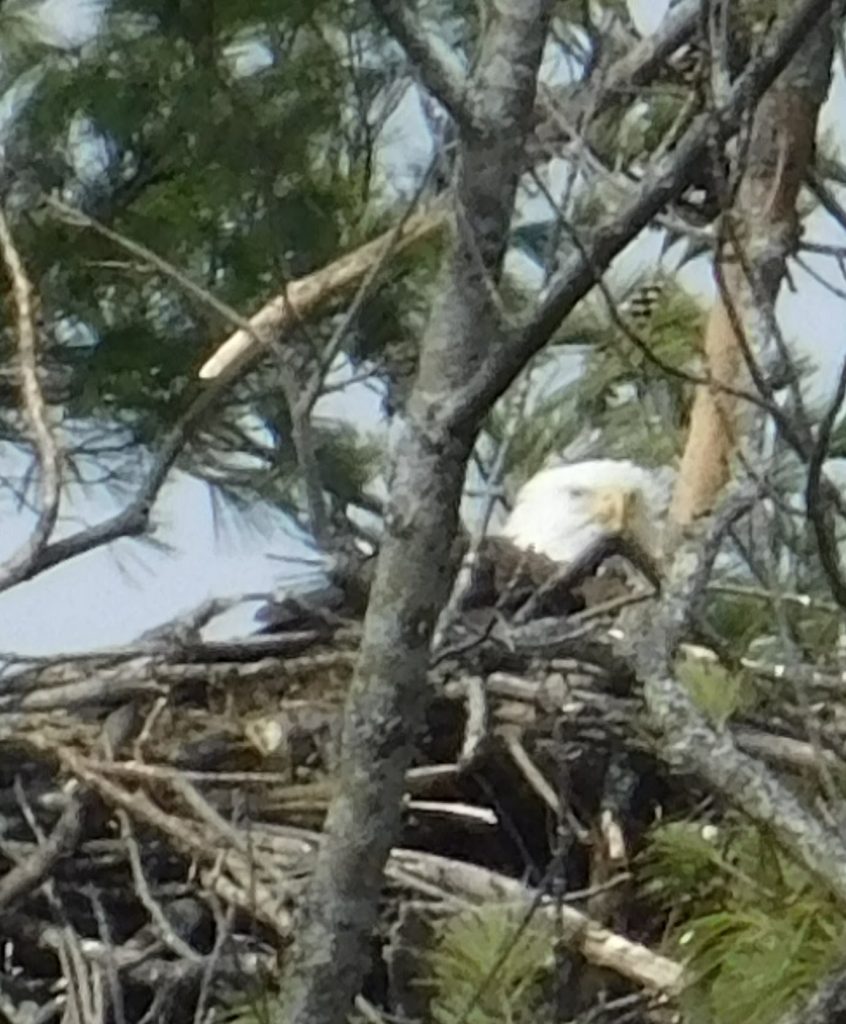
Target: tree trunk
(469, 356)
(415, 571)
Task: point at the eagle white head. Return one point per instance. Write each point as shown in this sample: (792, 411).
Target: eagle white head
(561, 512)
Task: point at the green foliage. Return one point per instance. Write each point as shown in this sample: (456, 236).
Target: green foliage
(549, 424)
(716, 692)
(738, 620)
(817, 629)
(263, 464)
(598, 379)
(469, 963)
(756, 930)
(226, 145)
(837, 446)
(258, 1009)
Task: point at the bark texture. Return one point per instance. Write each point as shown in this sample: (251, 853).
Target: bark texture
(762, 229)
(470, 354)
(415, 570)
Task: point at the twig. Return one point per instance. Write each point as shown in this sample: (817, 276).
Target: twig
(247, 890)
(452, 809)
(133, 520)
(368, 1011)
(631, 72)
(759, 594)
(27, 874)
(530, 771)
(223, 926)
(17, 568)
(490, 494)
(108, 961)
(667, 181)
(476, 724)
(163, 927)
(441, 75)
(302, 395)
(786, 750)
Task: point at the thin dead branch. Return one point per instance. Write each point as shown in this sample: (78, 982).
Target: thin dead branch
(48, 456)
(302, 298)
(661, 186)
(820, 510)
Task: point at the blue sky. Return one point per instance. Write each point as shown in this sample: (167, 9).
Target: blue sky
(110, 596)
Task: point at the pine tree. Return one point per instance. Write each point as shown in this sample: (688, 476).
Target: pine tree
(195, 172)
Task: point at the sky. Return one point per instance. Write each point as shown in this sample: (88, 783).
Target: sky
(111, 595)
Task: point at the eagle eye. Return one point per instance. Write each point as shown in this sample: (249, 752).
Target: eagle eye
(578, 492)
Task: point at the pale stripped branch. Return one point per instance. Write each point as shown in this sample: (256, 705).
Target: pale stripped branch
(17, 568)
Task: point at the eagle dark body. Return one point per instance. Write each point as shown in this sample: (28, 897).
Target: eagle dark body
(321, 607)
(570, 542)
(503, 578)
(524, 583)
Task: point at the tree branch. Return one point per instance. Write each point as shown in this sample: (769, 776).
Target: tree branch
(820, 510)
(440, 72)
(19, 566)
(134, 519)
(690, 740)
(635, 69)
(307, 295)
(416, 563)
(666, 182)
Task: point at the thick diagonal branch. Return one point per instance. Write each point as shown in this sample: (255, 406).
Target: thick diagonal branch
(303, 297)
(696, 745)
(666, 182)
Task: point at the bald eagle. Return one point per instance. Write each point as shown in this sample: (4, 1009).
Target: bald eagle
(566, 523)
(563, 511)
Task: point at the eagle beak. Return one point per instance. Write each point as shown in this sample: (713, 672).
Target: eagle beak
(615, 510)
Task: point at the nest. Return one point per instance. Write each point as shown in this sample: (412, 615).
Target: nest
(162, 805)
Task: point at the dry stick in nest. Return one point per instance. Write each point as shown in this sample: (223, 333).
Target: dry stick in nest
(30, 873)
(157, 915)
(470, 882)
(192, 839)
